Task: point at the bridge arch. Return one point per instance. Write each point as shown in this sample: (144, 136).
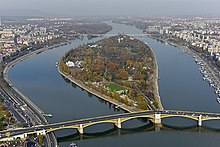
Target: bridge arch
(121, 120)
(60, 128)
(181, 116)
(136, 117)
(210, 118)
(101, 122)
(113, 121)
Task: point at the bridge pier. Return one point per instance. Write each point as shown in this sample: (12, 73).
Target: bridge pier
(200, 121)
(25, 135)
(118, 123)
(80, 129)
(157, 119)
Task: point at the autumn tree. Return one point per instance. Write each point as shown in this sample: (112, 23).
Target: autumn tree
(138, 76)
(114, 94)
(112, 67)
(122, 74)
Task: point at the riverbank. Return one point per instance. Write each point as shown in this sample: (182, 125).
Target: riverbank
(195, 55)
(19, 59)
(98, 94)
(156, 78)
(35, 108)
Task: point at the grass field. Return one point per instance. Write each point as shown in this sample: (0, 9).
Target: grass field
(113, 86)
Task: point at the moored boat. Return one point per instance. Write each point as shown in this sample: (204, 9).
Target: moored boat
(73, 145)
(218, 100)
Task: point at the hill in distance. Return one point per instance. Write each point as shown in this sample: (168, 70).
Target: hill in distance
(25, 12)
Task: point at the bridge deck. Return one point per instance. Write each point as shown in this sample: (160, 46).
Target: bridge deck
(117, 119)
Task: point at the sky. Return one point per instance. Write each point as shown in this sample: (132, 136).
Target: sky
(117, 7)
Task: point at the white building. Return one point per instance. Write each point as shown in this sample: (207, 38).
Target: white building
(70, 64)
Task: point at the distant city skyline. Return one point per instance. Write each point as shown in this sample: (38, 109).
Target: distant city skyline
(116, 7)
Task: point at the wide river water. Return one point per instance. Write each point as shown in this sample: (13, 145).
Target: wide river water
(181, 87)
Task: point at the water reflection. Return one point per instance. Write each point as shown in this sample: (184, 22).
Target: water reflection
(150, 127)
(111, 106)
(111, 132)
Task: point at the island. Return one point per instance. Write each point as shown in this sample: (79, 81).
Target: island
(120, 69)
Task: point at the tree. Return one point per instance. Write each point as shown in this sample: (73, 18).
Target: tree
(143, 105)
(12, 120)
(63, 67)
(126, 100)
(138, 76)
(117, 96)
(155, 103)
(130, 63)
(114, 94)
(112, 67)
(40, 139)
(109, 93)
(122, 74)
(1, 126)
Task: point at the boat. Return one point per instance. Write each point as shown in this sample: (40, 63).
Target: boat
(48, 115)
(201, 68)
(57, 63)
(218, 100)
(217, 91)
(73, 145)
(205, 76)
(205, 79)
(117, 107)
(204, 72)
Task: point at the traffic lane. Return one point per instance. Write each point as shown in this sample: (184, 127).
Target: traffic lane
(14, 112)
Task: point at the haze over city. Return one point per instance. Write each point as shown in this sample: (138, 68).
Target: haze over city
(115, 7)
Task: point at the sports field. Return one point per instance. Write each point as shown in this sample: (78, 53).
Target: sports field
(114, 87)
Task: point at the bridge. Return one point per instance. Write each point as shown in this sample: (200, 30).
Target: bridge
(117, 120)
(110, 35)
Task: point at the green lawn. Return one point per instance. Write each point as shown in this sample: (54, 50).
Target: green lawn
(113, 86)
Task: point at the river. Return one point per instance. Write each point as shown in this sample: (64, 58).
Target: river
(181, 87)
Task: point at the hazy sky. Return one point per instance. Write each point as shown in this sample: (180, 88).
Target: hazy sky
(117, 7)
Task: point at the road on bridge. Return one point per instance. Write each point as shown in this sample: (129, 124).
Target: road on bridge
(112, 118)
